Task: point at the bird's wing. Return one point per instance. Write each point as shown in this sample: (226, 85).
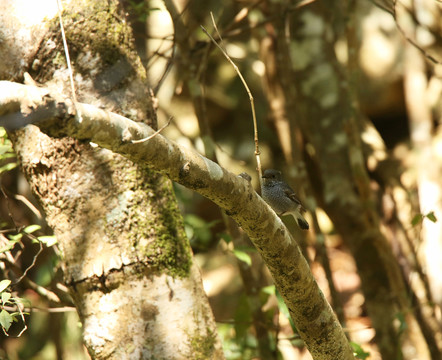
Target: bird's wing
(292, 196)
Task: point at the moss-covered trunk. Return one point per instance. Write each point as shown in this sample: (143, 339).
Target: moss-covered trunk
(126, 259)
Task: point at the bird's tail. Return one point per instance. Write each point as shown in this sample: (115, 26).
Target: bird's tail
(303, 224)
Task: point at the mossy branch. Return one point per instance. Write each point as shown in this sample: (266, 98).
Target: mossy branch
(313, 316)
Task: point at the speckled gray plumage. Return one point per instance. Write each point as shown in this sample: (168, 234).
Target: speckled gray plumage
(281, 197)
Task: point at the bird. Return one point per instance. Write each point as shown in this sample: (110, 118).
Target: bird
(281, 197)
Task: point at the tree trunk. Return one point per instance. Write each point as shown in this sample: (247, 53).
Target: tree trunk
(321, 103)
(126, 259)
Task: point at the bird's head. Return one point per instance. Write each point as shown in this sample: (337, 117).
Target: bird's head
(271, 175)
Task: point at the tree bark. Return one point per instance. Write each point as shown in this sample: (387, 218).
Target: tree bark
(126, 258)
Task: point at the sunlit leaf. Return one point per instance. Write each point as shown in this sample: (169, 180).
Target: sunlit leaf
(189, 231)
(48, 240)
(4, 149)
(5, 297)
(270, 290)
(285, 311)
(5, 319)
(23, 301)
(4, 284)
(15, 237)
(8, 247)
(31, 228)
(243, 256)
(8, 167)
(194, 220)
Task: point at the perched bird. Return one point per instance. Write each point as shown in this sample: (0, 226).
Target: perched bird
(281, 197)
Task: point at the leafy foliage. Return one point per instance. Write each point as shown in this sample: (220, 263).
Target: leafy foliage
(7, 316)
(359, 352)
(10, 236)
(418, 218)
(6, 153)
(198, 231)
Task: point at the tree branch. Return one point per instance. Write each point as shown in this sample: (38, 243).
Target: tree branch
(313, 316)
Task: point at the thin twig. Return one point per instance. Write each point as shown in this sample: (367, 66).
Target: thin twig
(33, 261)
(216, 27)
(300, 4)
(68, 61)
(154, 134)
(40, 309)
(41, 290)
(255, 126)
(8, 207)
(24, 322)
(409, 39)
(29, 205)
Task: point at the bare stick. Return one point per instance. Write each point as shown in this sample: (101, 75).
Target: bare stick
(33, 261)
(40, 309)
(216, 28)
(409, 39)
(154, 134)
(29, 205)
(255, 126)
(68, 60)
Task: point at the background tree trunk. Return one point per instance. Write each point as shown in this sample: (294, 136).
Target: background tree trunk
(322, 104)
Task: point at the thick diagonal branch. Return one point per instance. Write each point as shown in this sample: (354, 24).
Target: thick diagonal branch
(312, 314)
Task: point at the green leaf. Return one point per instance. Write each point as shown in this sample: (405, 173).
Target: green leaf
(226, 237)
(4, 284)
(430, 216)
(358, 351)
(198, 231)
(48, 240)
(15, 237)
(189, 231)
(4, 149)
(243, 256)
(420, 217)
(282, 306)
(31, 228)
(416, 219)
(5, 297)
(5, 319)
(194, 221)
(8, 167)
(8, 247)
(8, 156)
(285, 310)
(402, 322)
(23, 301)
(269, 290)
